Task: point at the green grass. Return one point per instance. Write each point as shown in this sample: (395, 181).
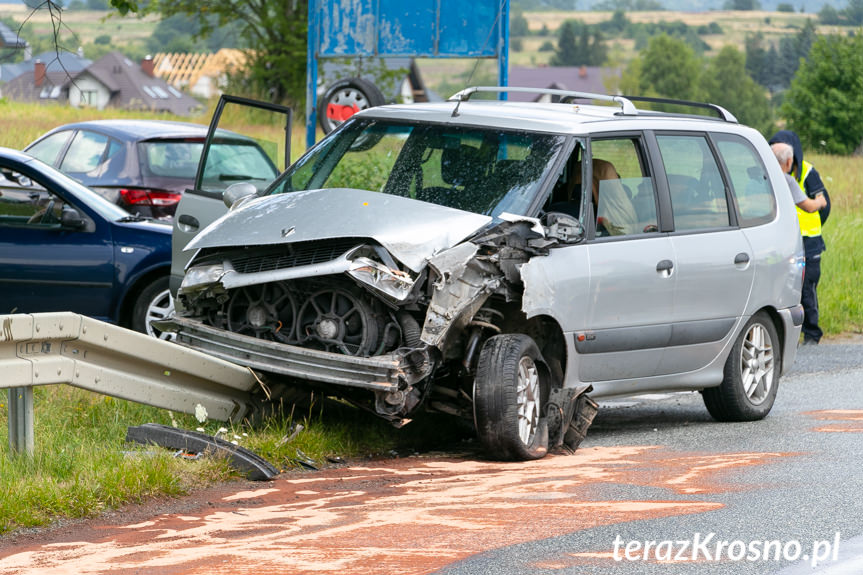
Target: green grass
(82, 466)
(841, 285)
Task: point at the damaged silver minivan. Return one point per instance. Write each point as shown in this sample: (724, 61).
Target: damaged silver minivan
(496, 261)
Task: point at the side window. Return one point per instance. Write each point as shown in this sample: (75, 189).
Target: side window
(48, 149)
(85, 153)
(750, 183)
(623, 192)
(697, 192)
(24, 202)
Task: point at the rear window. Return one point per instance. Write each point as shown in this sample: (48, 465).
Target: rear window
(171, 159)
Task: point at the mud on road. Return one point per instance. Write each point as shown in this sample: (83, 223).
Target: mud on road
(412, 515)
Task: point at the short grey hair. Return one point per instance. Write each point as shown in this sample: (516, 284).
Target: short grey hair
(782, 151)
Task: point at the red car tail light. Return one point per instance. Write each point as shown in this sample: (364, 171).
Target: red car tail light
(147, 197)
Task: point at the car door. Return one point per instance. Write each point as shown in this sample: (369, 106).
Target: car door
(45, 265)
(618, 286)
(714, 262)
(261, 129)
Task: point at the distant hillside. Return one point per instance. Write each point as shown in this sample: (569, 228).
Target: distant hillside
(808, 6)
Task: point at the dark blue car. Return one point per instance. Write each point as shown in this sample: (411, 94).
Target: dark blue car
(65, 248)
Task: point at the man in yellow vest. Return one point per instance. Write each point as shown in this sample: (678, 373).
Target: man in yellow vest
(813, 208)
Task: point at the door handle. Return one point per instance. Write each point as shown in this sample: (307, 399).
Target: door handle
(741, 258)
(188, 223)
(665, 266)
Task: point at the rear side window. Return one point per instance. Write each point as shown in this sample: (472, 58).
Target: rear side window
(697, 192)
(172, 159)
(750, 183)
(85, 153)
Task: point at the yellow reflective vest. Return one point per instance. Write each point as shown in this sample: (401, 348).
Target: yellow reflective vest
(810, 222)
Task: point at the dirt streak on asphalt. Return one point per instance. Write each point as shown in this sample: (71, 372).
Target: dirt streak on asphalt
(411, 515)
(854, 417)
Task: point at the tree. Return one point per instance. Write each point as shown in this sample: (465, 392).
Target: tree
(742, 5)
(567, 48)
(756, 57)
(825, 101)
(578, 46)
(853, 13)
(669, 68)
(829, 16)
(274, 29)
(518, 24)
(726, 83)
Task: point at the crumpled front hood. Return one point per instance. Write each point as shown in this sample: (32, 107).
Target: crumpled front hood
(410, 230)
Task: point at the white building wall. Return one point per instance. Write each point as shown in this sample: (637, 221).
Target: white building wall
(85, 84)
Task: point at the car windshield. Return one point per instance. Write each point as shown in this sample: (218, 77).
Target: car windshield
(481, 170)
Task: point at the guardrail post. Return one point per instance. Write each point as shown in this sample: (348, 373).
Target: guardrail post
(21, 420)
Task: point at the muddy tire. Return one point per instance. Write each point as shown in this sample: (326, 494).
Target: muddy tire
(751, 380)
(345, 98)
(507, 395)
(154, 302)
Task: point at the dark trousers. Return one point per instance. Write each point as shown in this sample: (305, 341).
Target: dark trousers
(809, 299)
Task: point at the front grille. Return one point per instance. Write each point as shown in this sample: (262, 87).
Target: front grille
(255, 259)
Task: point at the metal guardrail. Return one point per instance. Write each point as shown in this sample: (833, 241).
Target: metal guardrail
(67, 348)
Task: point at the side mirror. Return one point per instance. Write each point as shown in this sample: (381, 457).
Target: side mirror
(238, 191)
(71, 219)
(564, 228)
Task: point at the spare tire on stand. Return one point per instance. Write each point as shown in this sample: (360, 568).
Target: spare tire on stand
(344, 99)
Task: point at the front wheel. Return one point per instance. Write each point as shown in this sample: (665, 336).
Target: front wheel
(154, 302)
(751, 377)
(508, 394)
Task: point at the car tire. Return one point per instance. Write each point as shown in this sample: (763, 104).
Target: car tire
(154, 302)
(507, 395)
(345, 98)
(751, 377)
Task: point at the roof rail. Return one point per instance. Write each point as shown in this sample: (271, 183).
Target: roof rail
(721, 112)
(626, 107)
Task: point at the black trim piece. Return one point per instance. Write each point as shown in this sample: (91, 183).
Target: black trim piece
(58, 283)
(250, 464)
(797, 315)
(653, 337)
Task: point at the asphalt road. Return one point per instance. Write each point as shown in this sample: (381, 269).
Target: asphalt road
(806, 487)
(653, 471)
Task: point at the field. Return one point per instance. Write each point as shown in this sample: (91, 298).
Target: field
(81, 27)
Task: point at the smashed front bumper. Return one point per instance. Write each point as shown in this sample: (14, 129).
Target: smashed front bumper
(390, 376)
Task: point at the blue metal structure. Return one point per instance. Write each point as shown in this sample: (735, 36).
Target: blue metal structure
(417, 29)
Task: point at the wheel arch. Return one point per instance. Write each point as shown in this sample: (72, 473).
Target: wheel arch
(127, 303)
(549, 337)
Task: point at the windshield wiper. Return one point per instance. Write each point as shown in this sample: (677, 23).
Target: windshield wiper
(132, 218)
(237, 177)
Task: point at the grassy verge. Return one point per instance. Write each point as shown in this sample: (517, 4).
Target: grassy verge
(82, 465)
(840, 304)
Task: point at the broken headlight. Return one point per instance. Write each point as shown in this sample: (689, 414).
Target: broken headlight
(395, 284)
(199, 276)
